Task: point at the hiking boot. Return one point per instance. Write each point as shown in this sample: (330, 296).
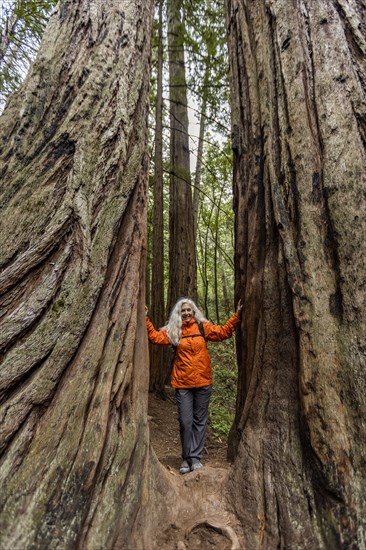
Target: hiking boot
(196, 466)
(184, 467)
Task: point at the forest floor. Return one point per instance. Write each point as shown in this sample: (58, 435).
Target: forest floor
(200, 514)
(164, 435)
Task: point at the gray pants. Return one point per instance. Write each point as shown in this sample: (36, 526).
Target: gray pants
(193, 415)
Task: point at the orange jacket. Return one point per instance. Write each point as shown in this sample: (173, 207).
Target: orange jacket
(192, 365)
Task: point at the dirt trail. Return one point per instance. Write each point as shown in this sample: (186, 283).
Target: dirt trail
(200, 515)
(164, 434)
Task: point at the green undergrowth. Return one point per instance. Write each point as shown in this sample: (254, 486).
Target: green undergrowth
(222, 406)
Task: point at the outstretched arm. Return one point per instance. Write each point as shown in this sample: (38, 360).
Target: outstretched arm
(156, 336)
(217, 333)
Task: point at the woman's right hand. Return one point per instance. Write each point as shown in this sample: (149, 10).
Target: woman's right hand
(146, 311)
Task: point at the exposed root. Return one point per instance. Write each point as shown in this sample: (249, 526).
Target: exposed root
(198, 513)
(220, 528)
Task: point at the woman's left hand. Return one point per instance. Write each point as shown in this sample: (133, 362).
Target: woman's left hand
(239, 307)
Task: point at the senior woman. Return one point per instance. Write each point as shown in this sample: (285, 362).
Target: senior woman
(188, 331)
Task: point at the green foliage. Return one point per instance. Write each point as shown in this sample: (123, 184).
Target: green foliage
(22, 24)
(33, 15)
(207, 58)
(207, 78)
(222, 406)
(215, 235)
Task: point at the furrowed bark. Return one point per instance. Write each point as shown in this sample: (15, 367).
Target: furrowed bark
(298, 89)
(157, 374)
(74, 373)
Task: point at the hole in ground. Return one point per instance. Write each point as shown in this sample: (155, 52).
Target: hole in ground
(207, 538)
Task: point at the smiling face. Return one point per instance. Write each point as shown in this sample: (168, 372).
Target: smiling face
(186, 312)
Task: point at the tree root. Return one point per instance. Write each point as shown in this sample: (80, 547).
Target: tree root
(224, 530)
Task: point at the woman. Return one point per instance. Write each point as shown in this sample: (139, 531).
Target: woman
(188, 330)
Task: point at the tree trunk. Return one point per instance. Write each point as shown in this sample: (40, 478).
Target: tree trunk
(9, 20)
(198, 174)
(157, 373)
(299, 127)
(215, 240)
(74, 373)
(182, 256)
(225, 293)
(205, 259)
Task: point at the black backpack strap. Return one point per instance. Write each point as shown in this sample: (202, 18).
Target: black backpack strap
(201, 329)
(202, 333)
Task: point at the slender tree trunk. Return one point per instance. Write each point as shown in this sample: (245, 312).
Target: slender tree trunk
(299, 125)
(182, 256)
(225, 292)
(6, 33)
(197, 177)
(201, 267)
(205, 259)
(147, 280)
(74, 372)
(157, 373)
(215, 238)
(148, 260)
(216, 282)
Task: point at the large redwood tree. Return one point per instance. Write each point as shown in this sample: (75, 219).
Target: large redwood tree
(74, 362)
(76, 469)
(298, 78)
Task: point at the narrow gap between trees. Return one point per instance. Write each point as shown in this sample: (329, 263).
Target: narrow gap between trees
(163, 416)
(200, 513)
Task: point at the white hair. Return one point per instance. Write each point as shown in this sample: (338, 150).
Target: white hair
(174, 325)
